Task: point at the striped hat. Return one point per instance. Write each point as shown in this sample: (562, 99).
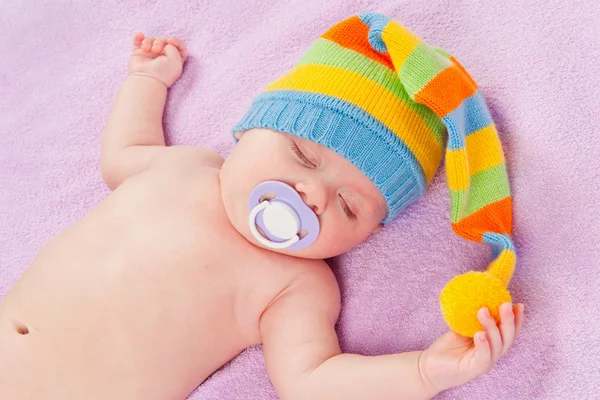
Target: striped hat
(374, 92)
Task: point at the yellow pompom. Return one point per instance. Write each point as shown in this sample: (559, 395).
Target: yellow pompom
(464, 295)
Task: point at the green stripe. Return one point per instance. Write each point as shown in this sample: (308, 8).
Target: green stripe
(487, 187)
(420, 67)
(326, 52)
(442, 52)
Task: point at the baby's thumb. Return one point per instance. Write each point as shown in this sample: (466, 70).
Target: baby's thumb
(172, 53)
(482, 360)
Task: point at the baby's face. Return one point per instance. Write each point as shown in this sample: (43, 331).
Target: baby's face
(348, 205)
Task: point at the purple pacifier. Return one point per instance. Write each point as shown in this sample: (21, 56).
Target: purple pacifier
(282, 217)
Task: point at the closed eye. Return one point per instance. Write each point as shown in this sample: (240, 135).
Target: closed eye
(300, 155)
(346, 209)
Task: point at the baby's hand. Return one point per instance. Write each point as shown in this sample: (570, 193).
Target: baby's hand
(161, 58)
(453, 360)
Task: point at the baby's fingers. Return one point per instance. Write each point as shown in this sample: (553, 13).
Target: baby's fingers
(507, 326)
(519, 310)
(180, 45)
(137, 40)
(492, 332)
(147, 44)
(157, 46)
(172, 53)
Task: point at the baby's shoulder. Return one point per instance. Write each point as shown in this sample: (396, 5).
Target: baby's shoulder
(313, 292)
(314, 278)
(188, 166)
(191, 156)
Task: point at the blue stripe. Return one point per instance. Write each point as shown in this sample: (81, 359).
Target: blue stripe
(471, 116)
(376, 23)
(348, 130)
(499, 242)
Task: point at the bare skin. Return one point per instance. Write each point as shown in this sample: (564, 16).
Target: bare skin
(162, 283)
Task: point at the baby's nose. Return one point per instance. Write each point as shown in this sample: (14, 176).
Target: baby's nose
(314, 195)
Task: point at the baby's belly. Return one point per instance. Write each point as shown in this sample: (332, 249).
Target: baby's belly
(80, 326)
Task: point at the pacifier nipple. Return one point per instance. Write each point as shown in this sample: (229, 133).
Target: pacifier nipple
(282, 218)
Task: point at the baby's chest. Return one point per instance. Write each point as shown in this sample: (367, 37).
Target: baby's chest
(172, 209)
(188, 244)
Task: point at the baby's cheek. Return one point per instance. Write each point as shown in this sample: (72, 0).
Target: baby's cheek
(334, 240)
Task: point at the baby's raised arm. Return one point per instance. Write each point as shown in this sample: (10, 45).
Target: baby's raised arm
(133, 138)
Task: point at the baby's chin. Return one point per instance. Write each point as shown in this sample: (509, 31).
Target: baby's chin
(307, 253)
(316, 251)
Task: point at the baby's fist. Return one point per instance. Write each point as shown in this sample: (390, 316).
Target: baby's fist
(160, 58)
(454, 360)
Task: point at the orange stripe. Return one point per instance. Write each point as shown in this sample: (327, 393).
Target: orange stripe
(495, 217)
(453, 84)
(353, 34)
(459, 65)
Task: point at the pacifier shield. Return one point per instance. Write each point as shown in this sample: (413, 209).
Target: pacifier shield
(281, 218)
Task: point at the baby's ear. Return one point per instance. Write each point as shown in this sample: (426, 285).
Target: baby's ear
(377, 228)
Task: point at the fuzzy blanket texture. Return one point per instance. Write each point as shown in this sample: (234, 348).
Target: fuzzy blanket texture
(536, 61)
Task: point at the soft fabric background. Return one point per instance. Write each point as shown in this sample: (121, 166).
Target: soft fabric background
(537, 63)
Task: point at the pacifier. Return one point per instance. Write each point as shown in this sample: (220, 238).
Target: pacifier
(282, 217)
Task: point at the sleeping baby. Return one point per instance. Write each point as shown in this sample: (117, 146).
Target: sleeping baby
(193, 258)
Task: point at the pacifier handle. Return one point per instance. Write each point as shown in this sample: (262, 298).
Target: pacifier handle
(274, 245)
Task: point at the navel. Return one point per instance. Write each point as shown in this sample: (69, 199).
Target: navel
(21, 328)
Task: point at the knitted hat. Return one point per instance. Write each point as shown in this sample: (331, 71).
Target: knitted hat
(375, 93)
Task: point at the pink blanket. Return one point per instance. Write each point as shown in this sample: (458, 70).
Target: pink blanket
(536, 61)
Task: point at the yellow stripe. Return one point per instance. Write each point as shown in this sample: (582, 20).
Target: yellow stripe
(503, 266)
(484, 152)
(401, 39)
(456, 161)
(485, 149)
(375, 100)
